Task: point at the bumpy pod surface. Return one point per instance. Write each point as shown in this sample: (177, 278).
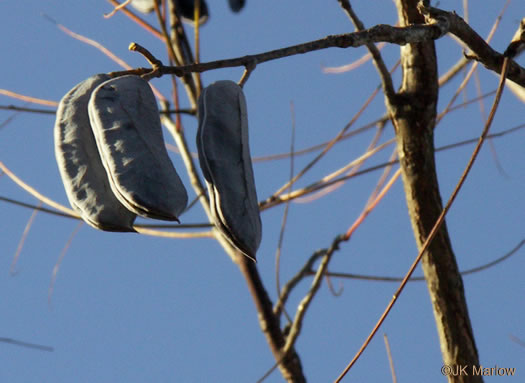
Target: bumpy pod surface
(83, 175)
(224, 156)
(126, 125)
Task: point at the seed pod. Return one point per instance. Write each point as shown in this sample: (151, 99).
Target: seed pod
(186, 9)
(126, 125)
(144, 6)
(84, 177)
(236, 5)
(224, 156)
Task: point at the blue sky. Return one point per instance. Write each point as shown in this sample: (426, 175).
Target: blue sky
(136, 308)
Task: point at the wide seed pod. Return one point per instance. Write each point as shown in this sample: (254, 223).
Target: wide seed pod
(224, 156)
(84, 177)
(126, 124)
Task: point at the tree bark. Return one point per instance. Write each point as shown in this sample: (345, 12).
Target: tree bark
(290, 366)
(413, 113)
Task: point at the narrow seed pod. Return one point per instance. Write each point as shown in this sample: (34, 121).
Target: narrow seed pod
(126, 125)
(83, 175)
(236, 5)
(187, 10)
(224, 156)
(144, 6)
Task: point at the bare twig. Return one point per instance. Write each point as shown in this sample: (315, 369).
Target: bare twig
(130, 14)
(482, 52)
(285, 214)
(378, 33)
(35, 193)
(56, 268)
(32, 100)
(26, 344)
(295, 329)
(378, 278)
(329, 145)
(353, 65)
(298, 277)
(276, 200)
(29, 110)
(517, 340)
(390, 360)
(23, 239)
(116, 9)
(462, 62)
(386, 79)
(89, 41)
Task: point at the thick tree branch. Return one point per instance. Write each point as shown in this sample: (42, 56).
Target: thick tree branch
(378, 33)
(289, 363)
(482, 51)
(440, 23)
(414, 115)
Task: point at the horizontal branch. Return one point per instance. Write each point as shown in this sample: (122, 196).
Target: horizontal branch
(440, 23)
(15, 108)
(378, 33)
(379, 278)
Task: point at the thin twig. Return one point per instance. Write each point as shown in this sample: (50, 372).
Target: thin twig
(326, 256)
(131, 15)
(277, 200)
(330, 145)
(189, 163)
(23, 239)
(390, 360)
(26, 344)
(144, 225)
(384, 75)
(35, 193)
(353, 65)
(32, 100)
(180, 50)
(350, 168)
(56, 268)
(295, 329)
(89, 41)
(463, 61)
(116, 9)
(38, 207)
(378, 278)
(285, 215)
(294, 281)
(517, 340)
(28, 110)
(378, 33)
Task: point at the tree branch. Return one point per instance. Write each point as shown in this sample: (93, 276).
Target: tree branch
(378, 33)
(482, 51)
(414, 116)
